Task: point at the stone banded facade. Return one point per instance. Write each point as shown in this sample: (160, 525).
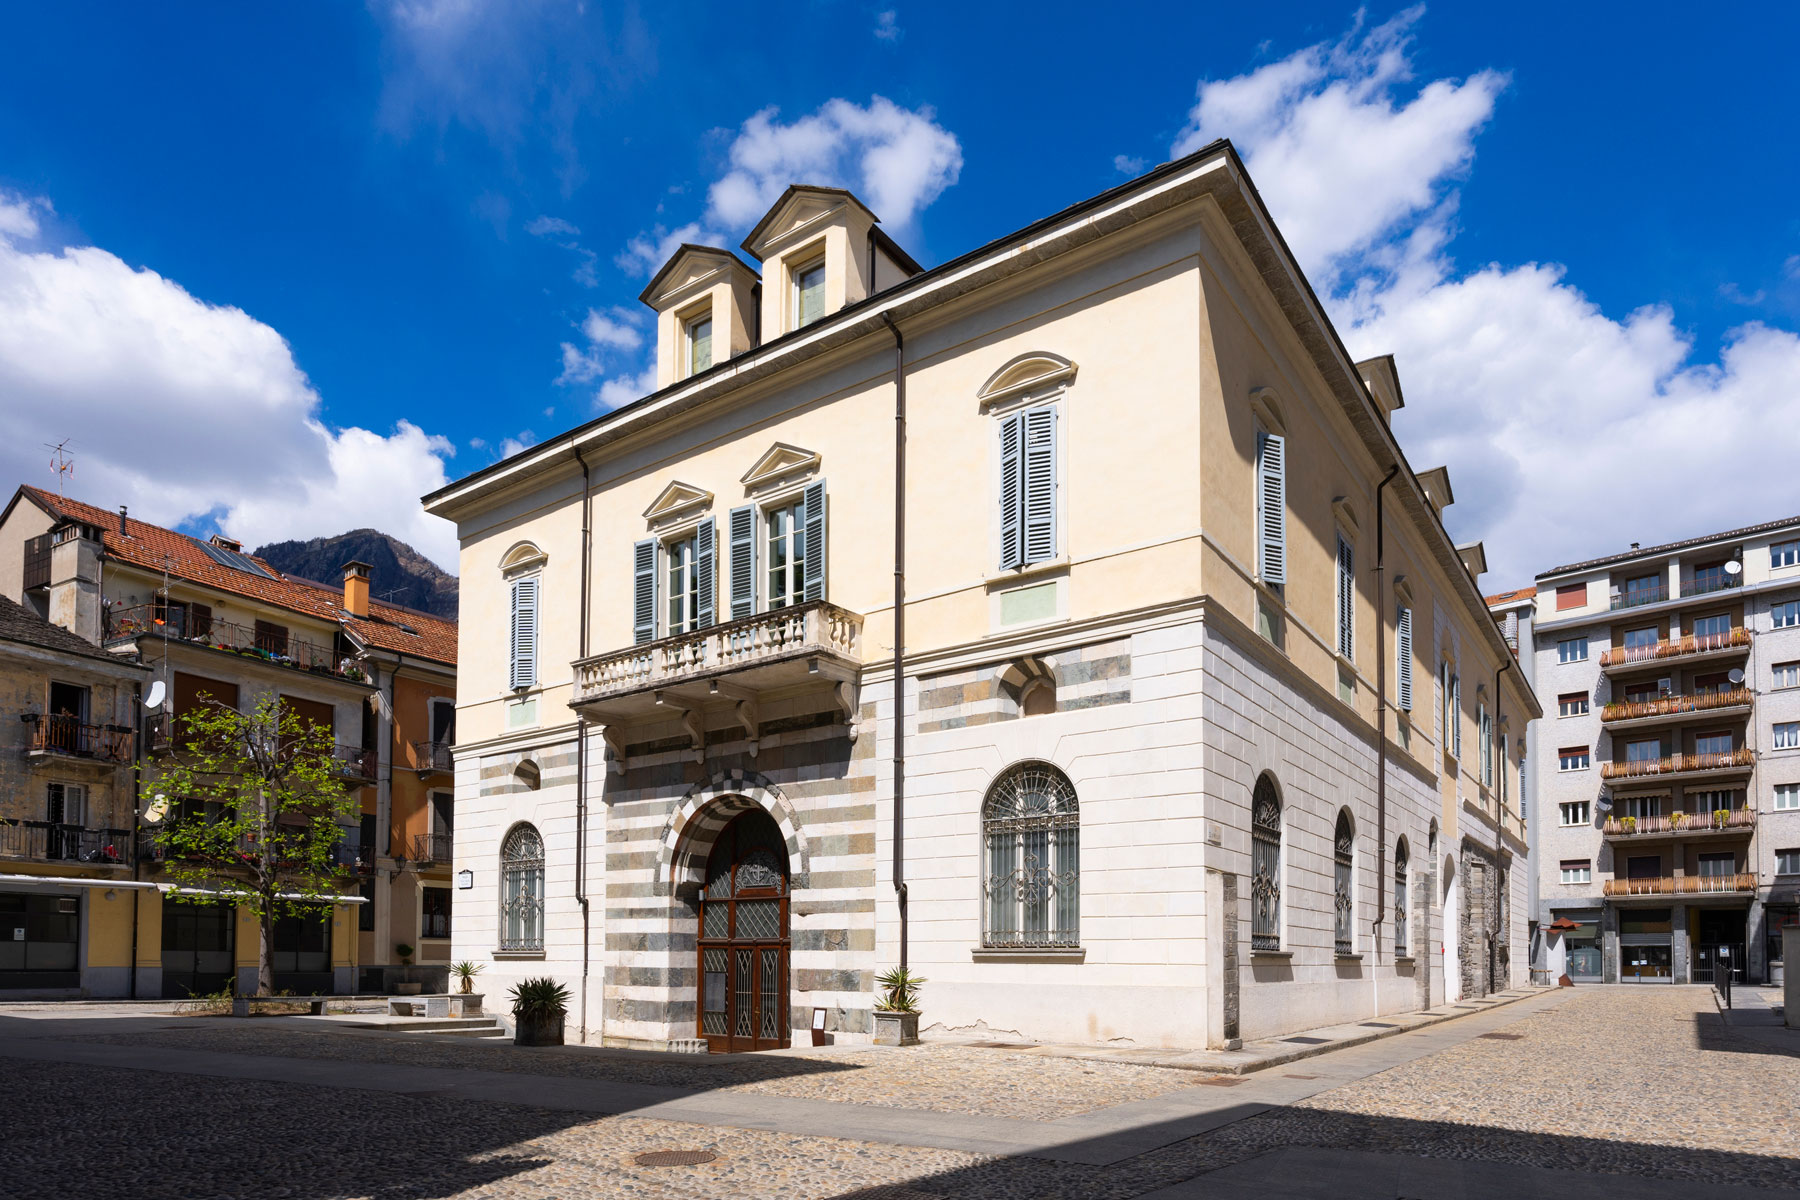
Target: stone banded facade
(1089, 676)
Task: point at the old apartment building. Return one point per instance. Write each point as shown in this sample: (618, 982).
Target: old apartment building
(1667, 774)
(202, 620)
(1063, 622)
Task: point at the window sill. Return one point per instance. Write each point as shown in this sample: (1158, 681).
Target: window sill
(1049, 566)
(1347, 958)
(1406, 959)
(1028, 953)
(517, 955)
(1281, 955)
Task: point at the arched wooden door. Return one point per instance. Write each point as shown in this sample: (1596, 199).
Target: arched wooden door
(744, 938)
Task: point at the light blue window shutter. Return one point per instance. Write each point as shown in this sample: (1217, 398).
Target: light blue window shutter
(706, 573)
(524, 632)
(742, 534)
(1403, 648)
(1456, 715)
(1271, 507)
(1012, 437)
(814, 581)
(643, 592)
(1040, 485)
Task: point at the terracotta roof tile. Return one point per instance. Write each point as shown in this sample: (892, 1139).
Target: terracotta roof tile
(387, 627)
(20, 624)
(1516, 594)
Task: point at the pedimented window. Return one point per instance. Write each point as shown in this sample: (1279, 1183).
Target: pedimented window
(1027, 377)
(676, 501)
(779, 464)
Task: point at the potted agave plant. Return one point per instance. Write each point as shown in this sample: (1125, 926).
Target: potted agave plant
(897, 1012)
(539, 1008)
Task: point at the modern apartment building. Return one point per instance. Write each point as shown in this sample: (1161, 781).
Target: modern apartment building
(1063, 622)
(1667, 772)
(204, 620)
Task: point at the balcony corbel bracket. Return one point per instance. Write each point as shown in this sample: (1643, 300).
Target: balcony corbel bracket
(690, 721)
(747, 717)
(615, 746)
(846, 698)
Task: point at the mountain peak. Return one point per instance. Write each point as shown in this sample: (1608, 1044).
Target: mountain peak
(399, 575)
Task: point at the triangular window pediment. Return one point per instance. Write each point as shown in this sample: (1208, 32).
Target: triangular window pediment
(677, 499)
(781, 461)
(1027, 375)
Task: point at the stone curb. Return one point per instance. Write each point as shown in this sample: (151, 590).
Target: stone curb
(1298, 1053)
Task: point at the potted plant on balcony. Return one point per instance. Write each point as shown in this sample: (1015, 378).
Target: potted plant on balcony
(897, 1012)
(539, 1008)
(1721, 817)
(1628, 824)
(1677, 819)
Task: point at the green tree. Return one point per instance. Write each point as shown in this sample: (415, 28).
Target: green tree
(258, 807)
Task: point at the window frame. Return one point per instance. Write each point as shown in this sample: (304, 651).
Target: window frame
(1010, 919)
(1785, 615)
(793, 504)
(448, 902)
(1583, 867)
(797, 288)
(1792, 735)
(1266, 863)
(1792, 671)
(515, 937)
(690, 595)
(1793, 795)
(1792, 866)
(1566, 699)
(690, 325)
(1583, 809)
(1784, 554)
(1562, 654)
(1343, 884)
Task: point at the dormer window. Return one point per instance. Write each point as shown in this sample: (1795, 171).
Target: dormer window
(699, 334)
(809, 294)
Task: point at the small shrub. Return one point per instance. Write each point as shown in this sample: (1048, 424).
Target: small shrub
(900, 991)
(535, 999)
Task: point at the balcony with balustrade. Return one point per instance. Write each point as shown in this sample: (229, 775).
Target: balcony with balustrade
(272, 644)
(1660, 886)
(1674, 709)
(728, 669)
(55, 842)
(429, 757)
(1691, 766)
(1717, 824)
(69, 739)
(1683, 651)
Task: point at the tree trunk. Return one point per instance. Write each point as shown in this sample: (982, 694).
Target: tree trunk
(265, 969)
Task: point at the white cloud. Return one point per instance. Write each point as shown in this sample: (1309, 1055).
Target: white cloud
(624, 389)
(1341, 162)
(1125, 164)
(542, 226)
(610, 335)
(181, 408)
(1541, 404)
(887, 26)
(18, 216)
(615, 331)
(646, 253)
(512, 445)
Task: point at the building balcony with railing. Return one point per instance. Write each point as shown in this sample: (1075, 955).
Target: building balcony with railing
(1672, 709)
(1723, 822)
(1654, 589)
(430, 757)
(68, 737)
(264, 641)
(1731, 883)
(728, 667)
(431, 847)
(48, 841)
(1724, 762)
(355, 762)
(1696, 648)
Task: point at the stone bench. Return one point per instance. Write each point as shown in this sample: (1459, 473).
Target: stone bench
(448, 1005)
(240, 1005)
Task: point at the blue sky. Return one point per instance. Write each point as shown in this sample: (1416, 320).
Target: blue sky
(282, 269)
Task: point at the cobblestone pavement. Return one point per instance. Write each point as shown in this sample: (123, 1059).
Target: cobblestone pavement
(939, 1078)
(1633, 1082)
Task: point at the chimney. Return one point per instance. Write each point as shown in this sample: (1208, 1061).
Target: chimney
(356, 588)
(225, 543)
(122, 532)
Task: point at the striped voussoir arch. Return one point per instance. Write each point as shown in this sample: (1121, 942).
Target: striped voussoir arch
(706, 809)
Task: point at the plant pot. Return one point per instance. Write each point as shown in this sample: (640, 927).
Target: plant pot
(896, 1028)
(408, 989)
(538, 1031)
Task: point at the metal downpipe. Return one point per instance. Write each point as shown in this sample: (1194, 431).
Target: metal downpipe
(899, 760)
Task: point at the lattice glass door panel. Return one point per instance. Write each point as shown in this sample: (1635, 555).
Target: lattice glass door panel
(769, 999)
(744, 993)
(712, 993)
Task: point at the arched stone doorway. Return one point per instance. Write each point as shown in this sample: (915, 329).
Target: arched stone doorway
(743, 937)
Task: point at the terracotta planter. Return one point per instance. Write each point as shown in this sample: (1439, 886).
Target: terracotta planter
(538, 1031)
(896, 1028)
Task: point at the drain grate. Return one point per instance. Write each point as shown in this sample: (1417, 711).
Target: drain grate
(1306, 1041)
(674, 1158)
(1503, 1037)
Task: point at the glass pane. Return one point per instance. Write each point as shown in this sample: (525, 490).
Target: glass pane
(712, 1002)
(716, 920)
(758, 920)
(771, 994)
(745, 993)
(700, 343)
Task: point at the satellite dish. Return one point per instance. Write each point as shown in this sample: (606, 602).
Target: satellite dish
(1735, 675)
(1734, 567)
(1604, 803)
(154, 700)
(159, 808)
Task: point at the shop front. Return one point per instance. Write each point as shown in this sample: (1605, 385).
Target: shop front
(1646, 945)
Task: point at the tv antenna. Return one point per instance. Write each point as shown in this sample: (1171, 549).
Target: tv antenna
(60, 463)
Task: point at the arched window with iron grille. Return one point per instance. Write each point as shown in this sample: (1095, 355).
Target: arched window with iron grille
(522, 890)
(1402, 945)
(1265, 865)
(1031, 829)
(1343, 884)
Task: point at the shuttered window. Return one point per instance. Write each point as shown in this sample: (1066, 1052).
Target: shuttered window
(643, 592)
(813, 550)
(1456, 715)
(1028, 487)
(524, 633)
(1346, 598)
(741, 532)
(1271, 508)
(786, 580)
(706, 565)
(1403, 651)
(1572, 595)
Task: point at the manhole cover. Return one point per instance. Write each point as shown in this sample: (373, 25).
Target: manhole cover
(1503, 1037)
(1306, 1041)
(674, 1158)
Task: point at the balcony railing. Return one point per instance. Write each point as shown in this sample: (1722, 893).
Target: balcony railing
(1669, 706)
(46, 841)
(1676, 648)
(1682, 885)
(431, 847)
(1679, 764)
(1701, 822)
(1710, 581)
(819, 629)
(177, 624)
(1631, 597)
(354, 762)
(74, 738)
(431, 756)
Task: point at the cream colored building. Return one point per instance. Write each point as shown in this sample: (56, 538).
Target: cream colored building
(1159, 555)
